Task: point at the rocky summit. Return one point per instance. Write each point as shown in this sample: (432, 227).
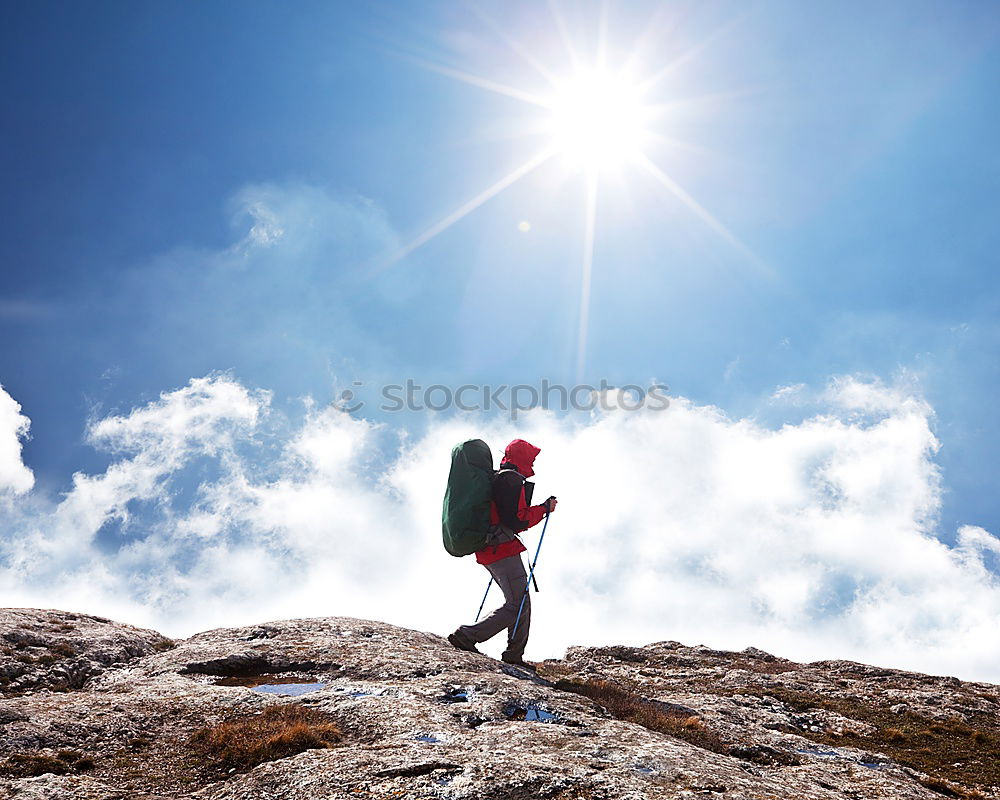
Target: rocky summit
(331, 708)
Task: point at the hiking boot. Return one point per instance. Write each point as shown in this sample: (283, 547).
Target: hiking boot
(517, 661)
(462, 643)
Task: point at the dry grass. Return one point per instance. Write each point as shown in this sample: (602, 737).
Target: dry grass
(960, 759)
(942, 787)
(895, 735)
(277, 732)
(29, 765)
(957, 757)
(554, 669)
(627, 705)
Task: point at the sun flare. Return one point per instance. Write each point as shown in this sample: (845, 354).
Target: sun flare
(597, 119)
(603, 121)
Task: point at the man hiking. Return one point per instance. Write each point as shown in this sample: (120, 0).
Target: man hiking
(510, 513)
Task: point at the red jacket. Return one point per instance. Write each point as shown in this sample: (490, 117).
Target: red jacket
(521, 456)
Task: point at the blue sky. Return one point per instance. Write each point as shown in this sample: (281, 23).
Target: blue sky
(194, 188)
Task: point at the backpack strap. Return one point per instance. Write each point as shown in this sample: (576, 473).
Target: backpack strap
(500, 471)
(528, 486)
(500, 533)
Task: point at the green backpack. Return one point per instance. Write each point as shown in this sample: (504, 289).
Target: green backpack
(465, 519)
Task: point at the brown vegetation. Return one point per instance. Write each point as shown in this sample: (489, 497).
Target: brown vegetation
(895, 735)
(277, 732)
(28, 765)
(951, 790)
(627, 705)
(955, 755)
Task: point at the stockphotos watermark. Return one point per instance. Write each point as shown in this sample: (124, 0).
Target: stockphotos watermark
(512, 399)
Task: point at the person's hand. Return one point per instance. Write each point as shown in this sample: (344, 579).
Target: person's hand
(550, 504)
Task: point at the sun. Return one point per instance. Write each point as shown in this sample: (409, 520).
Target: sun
(597, 119)
(600, 121)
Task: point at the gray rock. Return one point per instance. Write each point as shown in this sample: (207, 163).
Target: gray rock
(423, 720)
(62, 651)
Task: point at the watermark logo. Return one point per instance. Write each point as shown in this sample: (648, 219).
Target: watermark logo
(513, 399)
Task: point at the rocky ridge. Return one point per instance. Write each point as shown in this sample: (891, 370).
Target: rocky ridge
(91, 709)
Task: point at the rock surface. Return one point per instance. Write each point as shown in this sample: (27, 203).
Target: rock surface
(113, 714)
(62, 651)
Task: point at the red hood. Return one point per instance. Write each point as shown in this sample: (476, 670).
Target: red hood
(522, 455)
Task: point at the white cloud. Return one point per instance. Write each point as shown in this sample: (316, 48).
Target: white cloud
(15, 477)
(813, 540)
(789, 394)
(202, 419)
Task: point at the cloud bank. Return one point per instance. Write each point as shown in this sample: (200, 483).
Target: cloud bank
(813, 540)
(15, 478)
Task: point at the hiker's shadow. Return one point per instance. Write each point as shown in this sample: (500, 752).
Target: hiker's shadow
(525, 675)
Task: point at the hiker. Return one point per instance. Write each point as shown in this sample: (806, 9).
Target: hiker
(510, 513)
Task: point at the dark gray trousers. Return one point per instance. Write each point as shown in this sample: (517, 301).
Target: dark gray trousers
(510, 576)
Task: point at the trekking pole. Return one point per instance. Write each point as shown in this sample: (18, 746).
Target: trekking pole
(531, 574)
(488, 585)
